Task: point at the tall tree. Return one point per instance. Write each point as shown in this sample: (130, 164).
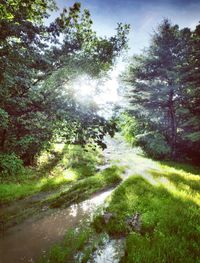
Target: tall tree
(158, 95)
(190, 79)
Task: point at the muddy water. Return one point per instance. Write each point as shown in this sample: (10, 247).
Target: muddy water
(29, 240)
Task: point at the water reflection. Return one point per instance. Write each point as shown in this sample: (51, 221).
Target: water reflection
(27, 241)
(112, 251)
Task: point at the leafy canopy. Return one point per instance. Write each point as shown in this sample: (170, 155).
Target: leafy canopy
(38, 64)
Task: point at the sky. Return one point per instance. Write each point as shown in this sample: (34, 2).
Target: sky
(143, 16)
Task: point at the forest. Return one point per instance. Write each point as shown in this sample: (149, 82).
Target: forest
(83, 180)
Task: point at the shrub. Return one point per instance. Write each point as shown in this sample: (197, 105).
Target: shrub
(10, 165)
(154, 144)
(129, 127)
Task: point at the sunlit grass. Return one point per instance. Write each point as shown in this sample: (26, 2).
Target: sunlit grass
(84, 188)
(168, 202)
(64, 164)
(12, 191)
(178, 189)
(169, 215)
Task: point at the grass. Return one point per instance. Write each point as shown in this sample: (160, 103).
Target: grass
(14, 191)
(74, 193)
(62, 165)
(168, 202)
(84, 188)
(180, 167)
(167, 198)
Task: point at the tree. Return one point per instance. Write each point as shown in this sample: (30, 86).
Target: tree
(157, 93)
(190, 79)
(36, 72)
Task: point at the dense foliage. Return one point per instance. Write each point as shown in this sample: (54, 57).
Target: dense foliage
(163, 90)
(39, 60)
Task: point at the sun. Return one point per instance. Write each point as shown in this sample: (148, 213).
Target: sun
(100, 92)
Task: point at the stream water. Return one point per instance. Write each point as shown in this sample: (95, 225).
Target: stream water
(111, 251)
(29, 240)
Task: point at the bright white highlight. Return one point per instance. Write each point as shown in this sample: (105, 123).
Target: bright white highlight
(108, 92)
(101, 93)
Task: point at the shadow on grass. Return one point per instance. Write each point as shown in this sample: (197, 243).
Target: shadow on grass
(185, 167)
(181, 181)
(170, 221)
(53, 159)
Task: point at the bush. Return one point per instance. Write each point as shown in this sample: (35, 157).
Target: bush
(10, 165)
(129, 127)
(154, 144)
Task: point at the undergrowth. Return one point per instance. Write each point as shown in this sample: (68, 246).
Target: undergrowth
(62, 165)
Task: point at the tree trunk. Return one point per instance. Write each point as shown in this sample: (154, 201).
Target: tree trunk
(3, 139)
(172, 123)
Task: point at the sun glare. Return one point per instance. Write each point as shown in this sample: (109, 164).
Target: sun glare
(100, 93)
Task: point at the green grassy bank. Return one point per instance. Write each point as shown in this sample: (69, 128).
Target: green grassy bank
(64, 164)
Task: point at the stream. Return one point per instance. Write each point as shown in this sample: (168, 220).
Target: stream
(27, 241)
(32, 238)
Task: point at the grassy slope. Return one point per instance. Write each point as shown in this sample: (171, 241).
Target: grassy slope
(168, 202)
(63, 165)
